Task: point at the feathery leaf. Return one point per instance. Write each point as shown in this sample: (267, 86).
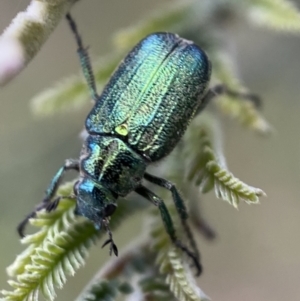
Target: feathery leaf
(276, 14)
(245, 112)
(206, 166)
(240, 109)
(169, 260)
(167, 18)
(72, 91)
(57, 250)
(105, 290)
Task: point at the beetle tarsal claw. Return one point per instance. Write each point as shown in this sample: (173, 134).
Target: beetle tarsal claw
(112, 248)
(194, 257)
(52, 205)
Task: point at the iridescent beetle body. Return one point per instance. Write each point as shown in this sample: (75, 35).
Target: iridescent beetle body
(153, 95)
(144, 110)
(138, 119)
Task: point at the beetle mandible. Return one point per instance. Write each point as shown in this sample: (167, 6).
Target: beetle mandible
(138, 119)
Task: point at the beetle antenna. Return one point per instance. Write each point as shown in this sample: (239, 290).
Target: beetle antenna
(112, 247)
(84, 58)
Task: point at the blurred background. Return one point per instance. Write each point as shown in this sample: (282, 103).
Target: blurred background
(256, 255)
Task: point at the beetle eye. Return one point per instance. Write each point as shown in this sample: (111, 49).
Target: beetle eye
(109, 209)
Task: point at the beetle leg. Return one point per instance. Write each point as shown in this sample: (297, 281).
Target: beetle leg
(48, 206)
(70, 164)
(222, 89)
(168, 223)
(53, 205)
(84, 59)
(179, 204)
(24, 222)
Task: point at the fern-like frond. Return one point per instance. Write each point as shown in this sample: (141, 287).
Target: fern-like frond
(44, 222)
(123, 275)
(72, 92)
(170, 262)
(184, 288)
(69, 93)
(224, 71)
(229, 188)
(206, 166)
(154, 287)
(57, 250)
(105, 290)
(168, 18)
(276, 14)
(244, 111)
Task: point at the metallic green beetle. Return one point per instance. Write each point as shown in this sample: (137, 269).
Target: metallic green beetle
(138, 119)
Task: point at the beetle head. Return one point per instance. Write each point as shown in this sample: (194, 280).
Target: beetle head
(94, 201)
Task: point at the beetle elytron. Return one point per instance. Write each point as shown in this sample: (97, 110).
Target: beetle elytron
(138, 119)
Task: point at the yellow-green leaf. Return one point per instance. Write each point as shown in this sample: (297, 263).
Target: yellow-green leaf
(72, 92)
(278, 14)
(167, 18)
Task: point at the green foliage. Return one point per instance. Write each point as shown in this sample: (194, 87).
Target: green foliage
(276, 14)
(72, 92)
(152, 269)
(167, 18)
(206, 166)
(105, 290)
(58, 249)
(243, 111)
(178, 275)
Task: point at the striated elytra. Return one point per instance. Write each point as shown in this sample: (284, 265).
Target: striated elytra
(138, 119)
(153, 94)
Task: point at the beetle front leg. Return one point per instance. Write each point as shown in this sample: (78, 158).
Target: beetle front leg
(168, 223)
(84, 59)
(179, 204)
(70, 164)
